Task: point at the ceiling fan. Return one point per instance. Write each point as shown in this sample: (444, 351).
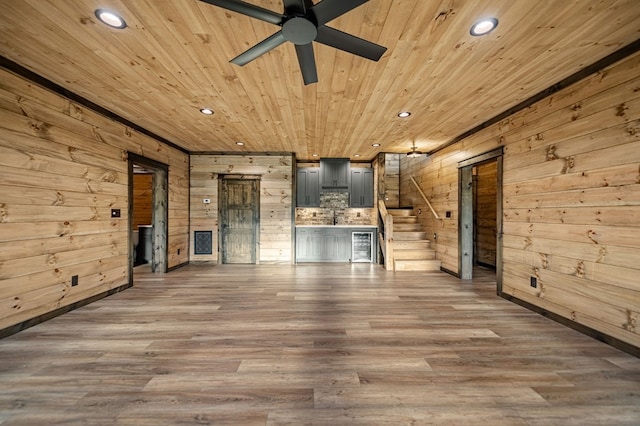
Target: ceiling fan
(301, 24)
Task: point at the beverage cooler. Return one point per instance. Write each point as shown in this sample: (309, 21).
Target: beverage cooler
(362, 245)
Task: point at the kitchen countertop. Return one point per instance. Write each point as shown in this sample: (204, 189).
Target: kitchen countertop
(336, 226)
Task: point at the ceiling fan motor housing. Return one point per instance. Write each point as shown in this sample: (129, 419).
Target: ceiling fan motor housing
(299, 30)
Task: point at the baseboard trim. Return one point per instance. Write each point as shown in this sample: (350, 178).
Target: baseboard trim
(450, 272)
(8, 331)
(486, 265)
(181, 265)
(605, 338)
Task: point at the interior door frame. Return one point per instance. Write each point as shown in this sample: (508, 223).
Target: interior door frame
(256, 218)
(466, 214)
(160, 203)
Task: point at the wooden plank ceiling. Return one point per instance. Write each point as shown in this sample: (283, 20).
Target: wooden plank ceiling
(173, 59)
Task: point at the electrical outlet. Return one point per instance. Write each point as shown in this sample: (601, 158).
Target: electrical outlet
(178, 251)
(74, 281)
(447, 214)
(534, 282)
(206, 201)
(115, 212)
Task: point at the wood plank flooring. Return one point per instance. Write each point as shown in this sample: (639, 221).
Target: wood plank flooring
(311, 345)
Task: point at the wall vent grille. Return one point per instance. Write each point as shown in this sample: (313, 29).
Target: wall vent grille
(203, 241)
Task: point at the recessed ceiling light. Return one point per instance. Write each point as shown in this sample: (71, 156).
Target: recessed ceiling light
(111, 19)
(206, 111)
(356, 155)
(483, 26)
(314, 155)
(240, 143)
(375, 145)
(404, 114)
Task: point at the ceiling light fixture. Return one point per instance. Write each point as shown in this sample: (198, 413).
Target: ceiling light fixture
(375, 145)
(356, 155)
(404, 114)
(414, 153)
(314, 155)
(483, 27)
(240, 143)
(111, 19)
(206, 111)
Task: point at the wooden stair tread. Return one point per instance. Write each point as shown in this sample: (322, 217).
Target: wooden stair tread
(404, 219)
(407, 227)
(417, 265)
(412, 244)
(400, 212)
(412, 251)
(409, 235)
(413, 254)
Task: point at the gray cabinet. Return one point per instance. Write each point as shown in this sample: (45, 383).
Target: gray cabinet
(308, 187)
(329, 244)
(334, 173)
(337, 245)
(323, 244)
(309, 244)
(361, 194)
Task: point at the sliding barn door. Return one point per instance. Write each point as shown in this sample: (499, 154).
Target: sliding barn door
(239, 220)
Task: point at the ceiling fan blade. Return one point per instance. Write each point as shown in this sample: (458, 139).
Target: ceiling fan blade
(328, 10)
(350, 43)
(249, 10)
(307, 62)
(293, 6)
(259, 49)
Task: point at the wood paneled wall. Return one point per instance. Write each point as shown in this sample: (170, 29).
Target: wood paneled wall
(276, 201)
(389, 179)
(142, 200)
(63, 168)
(485, 210)
(571, 188)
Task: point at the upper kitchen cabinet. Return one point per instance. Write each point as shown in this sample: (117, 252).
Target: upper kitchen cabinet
(361, 188)
(308, 187)
(334, 174)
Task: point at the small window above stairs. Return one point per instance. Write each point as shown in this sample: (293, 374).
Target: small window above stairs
(412, 250)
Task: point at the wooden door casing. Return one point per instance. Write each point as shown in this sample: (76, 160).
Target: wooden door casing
(239, 220)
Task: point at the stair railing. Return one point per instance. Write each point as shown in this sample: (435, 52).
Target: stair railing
(426, 200)
(385, 236)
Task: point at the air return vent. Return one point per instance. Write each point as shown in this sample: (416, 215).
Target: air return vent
(203, 242)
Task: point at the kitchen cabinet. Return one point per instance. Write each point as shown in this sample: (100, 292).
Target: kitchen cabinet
(309, 244)
(337, 245)
(308, 187)
(334, 173)
(328, 243)
(361, 194)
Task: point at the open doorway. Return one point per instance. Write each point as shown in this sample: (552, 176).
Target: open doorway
(148, 201)
(480, 206)
(485, 211)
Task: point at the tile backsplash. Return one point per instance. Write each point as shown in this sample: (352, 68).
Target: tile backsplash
(334, 200)
(334, 210)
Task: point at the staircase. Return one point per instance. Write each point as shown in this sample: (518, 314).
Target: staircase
(412, 250)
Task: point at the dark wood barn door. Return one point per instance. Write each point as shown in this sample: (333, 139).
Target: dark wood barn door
(239, 220)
